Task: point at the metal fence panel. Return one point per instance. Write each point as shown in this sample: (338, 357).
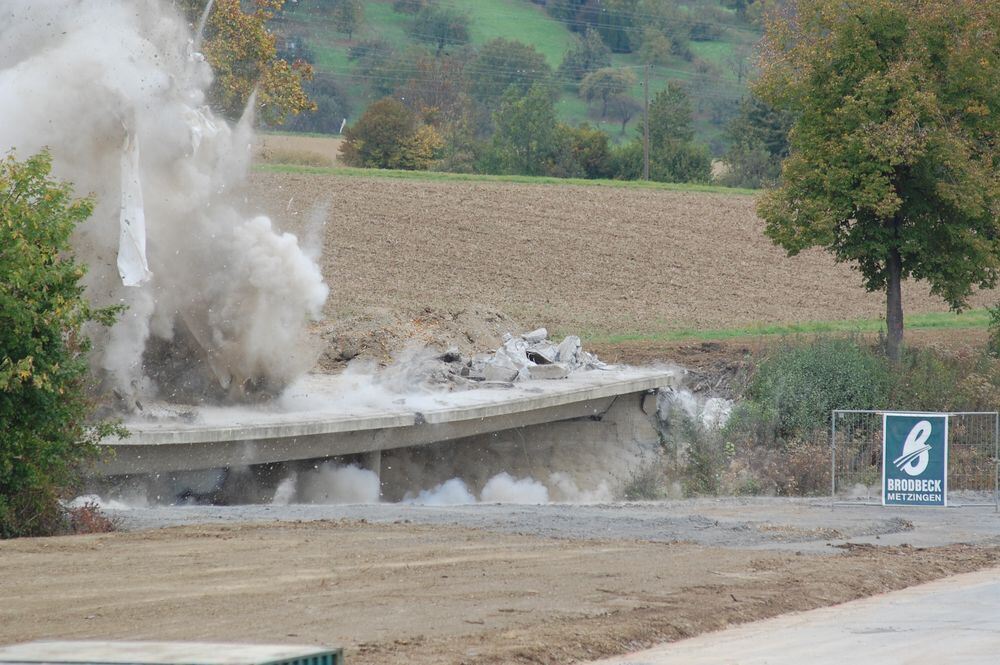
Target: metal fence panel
(973, 453)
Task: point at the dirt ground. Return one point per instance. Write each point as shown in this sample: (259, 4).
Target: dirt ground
(574, 259)
(394, 593)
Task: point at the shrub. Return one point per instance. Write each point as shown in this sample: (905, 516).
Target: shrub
(993, 341)
(590, 149)
(45, 436)
(389, 136)
(797, 387)
(647, 482)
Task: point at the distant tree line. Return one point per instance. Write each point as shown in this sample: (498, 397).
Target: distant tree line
(467, 102)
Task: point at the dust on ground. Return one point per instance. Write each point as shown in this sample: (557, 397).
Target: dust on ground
(399, 592)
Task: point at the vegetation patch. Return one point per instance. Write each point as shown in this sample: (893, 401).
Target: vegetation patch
(46, 433)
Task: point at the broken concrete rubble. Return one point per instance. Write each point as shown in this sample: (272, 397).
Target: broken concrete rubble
(533, 356)
(518, 359)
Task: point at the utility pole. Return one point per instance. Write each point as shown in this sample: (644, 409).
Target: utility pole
(645, 126)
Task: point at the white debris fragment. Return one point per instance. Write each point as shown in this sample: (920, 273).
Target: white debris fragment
(536, 336)
(132, 265)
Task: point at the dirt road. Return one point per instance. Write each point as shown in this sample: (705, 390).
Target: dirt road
(395, 592)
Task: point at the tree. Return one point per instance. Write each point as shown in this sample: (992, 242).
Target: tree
(441, 26)
(243, 56)
(673, 156)
(590, 150)
(893, 162)
(586, 55)
(332, 106)
(45, 435)
(758, 143)
(388, 135)
(672, 21)
(670, 115)
(615, 21)
(347, 16)
(604, 84)
(502, 63)
(525, 135)
(623, 108)
(436, 87)
(655, 47)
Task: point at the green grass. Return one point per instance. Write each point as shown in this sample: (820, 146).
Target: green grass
(521, 21)
(518, 179)
(976, 318)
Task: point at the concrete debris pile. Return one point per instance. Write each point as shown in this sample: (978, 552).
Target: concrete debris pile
(529, 356)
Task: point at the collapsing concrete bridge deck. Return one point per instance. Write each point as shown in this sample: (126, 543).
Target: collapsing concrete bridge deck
(335, 416)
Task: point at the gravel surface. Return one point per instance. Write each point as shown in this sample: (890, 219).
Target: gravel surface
(777, 523)
(396, 584)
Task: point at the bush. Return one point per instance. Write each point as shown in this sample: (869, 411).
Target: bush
(795, 389)
(389, 136)
(776, 441)
(45, 436)
(993, 341)
(590, 150)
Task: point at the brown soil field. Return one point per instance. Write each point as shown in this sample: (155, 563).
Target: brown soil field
(397, 593)
(591, 260)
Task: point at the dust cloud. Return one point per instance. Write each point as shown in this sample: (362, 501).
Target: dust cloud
(218, 300)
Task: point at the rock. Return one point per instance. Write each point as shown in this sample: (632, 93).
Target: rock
(499, 373)
(543, 353)
(553, 371)
(569, 349)
(452, 355)
(535, 336)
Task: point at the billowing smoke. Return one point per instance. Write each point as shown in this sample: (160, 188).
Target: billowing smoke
(218, 300)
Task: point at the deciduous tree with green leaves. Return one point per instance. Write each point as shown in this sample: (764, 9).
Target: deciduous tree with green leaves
(441, 26)
(605, 84)
(525, 138)
(894, 164)
(45, 427)
(348, 15)
(587, 54)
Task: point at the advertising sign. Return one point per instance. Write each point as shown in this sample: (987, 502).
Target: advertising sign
(914, 459)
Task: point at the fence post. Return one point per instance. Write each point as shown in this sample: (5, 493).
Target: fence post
(996, 462)
(833, 455)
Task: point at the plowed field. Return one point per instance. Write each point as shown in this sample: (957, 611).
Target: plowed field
(583, 259)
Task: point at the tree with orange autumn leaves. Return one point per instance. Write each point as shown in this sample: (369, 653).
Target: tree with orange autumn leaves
(243, 55)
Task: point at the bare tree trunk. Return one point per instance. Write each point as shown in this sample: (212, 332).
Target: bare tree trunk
(894, 305)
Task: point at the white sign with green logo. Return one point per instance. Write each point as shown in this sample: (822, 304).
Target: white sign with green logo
(914, 459)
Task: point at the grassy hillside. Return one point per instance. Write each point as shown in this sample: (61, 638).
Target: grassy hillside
(711, 73)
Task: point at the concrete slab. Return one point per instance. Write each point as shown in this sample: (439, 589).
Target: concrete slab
(953, 620)
(324, 416)
(165, 653)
